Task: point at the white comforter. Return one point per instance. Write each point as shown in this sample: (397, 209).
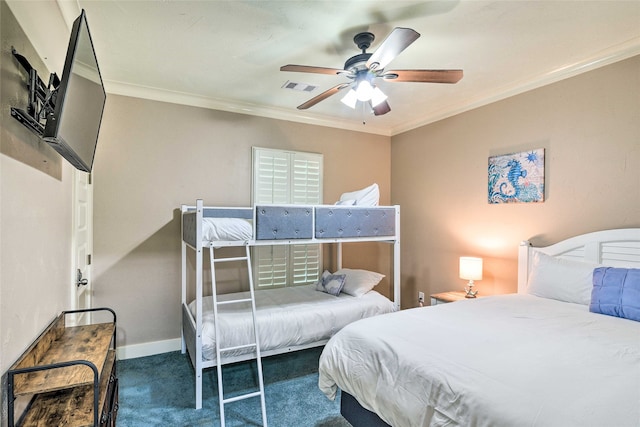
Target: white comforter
(286, 317)
(511, 360)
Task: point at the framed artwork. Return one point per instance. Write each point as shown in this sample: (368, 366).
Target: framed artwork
(517, 177)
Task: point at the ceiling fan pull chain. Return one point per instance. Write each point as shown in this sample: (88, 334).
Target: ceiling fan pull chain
(364, 122)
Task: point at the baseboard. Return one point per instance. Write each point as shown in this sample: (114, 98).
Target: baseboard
(148, 348)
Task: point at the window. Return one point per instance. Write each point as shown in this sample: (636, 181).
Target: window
(286, 177)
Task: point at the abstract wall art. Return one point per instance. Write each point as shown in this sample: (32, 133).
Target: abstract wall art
(517, 177)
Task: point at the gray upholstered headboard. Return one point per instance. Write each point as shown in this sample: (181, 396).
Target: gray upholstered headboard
(354, 221)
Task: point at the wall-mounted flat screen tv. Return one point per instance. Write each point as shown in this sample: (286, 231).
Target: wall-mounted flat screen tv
(72, 129)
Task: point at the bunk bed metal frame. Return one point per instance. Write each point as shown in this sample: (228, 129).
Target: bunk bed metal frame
(278, 225)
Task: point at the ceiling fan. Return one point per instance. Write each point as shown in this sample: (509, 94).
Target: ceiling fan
(364, 68)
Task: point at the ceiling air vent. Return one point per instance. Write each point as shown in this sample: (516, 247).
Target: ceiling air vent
(302, 87)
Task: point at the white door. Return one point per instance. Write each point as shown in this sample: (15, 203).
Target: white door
(82, 244)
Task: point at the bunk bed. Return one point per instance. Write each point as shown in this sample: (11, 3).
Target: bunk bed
(563, 351)
(289, 318)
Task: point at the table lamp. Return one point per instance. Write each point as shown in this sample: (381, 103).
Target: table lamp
(470, 269)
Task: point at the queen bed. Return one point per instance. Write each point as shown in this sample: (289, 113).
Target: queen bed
(560, 352)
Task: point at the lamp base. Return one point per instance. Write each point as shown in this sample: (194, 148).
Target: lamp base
(470, 293)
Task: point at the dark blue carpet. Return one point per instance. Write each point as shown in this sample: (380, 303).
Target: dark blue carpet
(159, 391)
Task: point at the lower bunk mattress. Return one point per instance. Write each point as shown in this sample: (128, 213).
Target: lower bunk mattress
(287, 317)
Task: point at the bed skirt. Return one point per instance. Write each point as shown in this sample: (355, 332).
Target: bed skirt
(358, 416)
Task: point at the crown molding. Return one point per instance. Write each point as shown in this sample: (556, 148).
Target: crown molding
(70, 10)
(605, 57)
(174, 97)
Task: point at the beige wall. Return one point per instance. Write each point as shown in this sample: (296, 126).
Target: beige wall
(153, 156)
(35, 211)
(590, 128)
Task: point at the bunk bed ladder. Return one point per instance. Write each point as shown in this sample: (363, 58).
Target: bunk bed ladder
(255, 345)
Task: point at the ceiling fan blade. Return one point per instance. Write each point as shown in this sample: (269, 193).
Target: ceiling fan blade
(324, 95)
(310, 69)
(399, 39)
(423, 76)
(382, 108)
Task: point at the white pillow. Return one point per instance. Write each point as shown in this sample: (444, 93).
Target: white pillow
(561, 279)
(216, 229)
(359, 282)
(369, 196)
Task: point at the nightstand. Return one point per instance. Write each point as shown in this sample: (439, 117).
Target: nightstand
(445, 297)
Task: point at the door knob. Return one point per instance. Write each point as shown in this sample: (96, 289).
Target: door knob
(80, 281)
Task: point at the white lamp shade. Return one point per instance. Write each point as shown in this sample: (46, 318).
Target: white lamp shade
(364, 91)
(377, 97)
(350, 99)
(470, 268)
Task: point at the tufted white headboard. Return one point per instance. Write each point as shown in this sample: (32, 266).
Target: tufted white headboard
(615, 248)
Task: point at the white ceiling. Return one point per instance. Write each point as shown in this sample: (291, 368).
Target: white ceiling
(226, 55)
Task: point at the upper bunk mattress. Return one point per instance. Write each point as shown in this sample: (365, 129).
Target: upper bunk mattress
(291, 316)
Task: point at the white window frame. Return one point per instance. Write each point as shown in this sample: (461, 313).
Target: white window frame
(286, 177)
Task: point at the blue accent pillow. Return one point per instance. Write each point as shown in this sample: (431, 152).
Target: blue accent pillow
(331, 283)
(616, 292)
(319, 285)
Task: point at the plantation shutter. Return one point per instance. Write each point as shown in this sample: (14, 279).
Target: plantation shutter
(307, 179)
(270, 265)
(306, 190)
(272, 176)
(286, 177)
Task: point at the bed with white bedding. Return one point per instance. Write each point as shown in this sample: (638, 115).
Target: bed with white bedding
(546, 356)
(290, 318)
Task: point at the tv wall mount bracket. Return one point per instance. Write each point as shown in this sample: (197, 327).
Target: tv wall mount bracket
(42, 99)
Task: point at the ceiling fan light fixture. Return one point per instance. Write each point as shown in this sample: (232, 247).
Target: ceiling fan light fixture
(350, 99)
(364, 91)
(377, 97)
(364, 68)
